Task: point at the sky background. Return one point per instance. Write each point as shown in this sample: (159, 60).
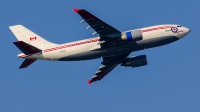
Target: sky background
(170, 82)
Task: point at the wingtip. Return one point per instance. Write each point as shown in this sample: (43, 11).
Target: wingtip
(89, 82)
(76, 10)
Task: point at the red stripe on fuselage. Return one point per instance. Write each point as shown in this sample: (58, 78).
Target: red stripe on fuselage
(71, 45)
(157, 28)
(95, 40)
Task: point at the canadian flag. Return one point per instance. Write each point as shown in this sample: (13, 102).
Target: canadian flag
(33, 38)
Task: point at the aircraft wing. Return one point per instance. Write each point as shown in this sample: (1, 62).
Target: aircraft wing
(108, 64)
(103, 29)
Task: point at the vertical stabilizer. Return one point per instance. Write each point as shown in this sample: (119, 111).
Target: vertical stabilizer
(26, 35)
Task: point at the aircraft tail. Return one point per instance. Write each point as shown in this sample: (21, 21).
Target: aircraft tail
(27, 50)
(29, 37)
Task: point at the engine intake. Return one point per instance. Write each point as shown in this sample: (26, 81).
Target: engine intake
(135, 61)
(134, 35)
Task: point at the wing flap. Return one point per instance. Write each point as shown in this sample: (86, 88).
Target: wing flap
(102, 28)
(109, 36)
(108, 64)
(102, 73)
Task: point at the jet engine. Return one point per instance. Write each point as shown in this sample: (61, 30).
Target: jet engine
(134, 35)
(135, 61)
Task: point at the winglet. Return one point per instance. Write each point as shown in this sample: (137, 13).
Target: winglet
(89, 82)
(76, 10)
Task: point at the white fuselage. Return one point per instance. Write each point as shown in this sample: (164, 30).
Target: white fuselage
(90, 49)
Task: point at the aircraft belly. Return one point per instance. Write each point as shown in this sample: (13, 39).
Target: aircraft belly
(83, 56)
(154, 42)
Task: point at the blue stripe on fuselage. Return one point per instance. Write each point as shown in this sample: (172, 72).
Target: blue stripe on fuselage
(129, 36)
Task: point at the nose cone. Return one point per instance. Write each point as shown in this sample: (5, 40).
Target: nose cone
(187, 31)
(184, 32)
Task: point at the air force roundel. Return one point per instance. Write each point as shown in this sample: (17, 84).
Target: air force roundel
(174, 29)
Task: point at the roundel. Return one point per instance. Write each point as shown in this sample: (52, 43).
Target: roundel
(174, 29)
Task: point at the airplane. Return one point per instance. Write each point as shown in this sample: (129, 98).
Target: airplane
(112, 45)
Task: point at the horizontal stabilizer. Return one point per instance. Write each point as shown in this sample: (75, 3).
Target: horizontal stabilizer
(26, 48)
(26, 63)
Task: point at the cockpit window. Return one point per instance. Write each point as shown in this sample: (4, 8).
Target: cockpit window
(179, 26)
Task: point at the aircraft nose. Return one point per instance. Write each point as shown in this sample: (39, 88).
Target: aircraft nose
(188, 30)
(184, 33)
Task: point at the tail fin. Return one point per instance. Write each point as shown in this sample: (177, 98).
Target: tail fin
(24, 34)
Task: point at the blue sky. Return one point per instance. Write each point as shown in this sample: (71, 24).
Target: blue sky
(170, 82)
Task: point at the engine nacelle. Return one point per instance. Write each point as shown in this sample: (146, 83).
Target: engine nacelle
(135, 61)
(134, 35)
